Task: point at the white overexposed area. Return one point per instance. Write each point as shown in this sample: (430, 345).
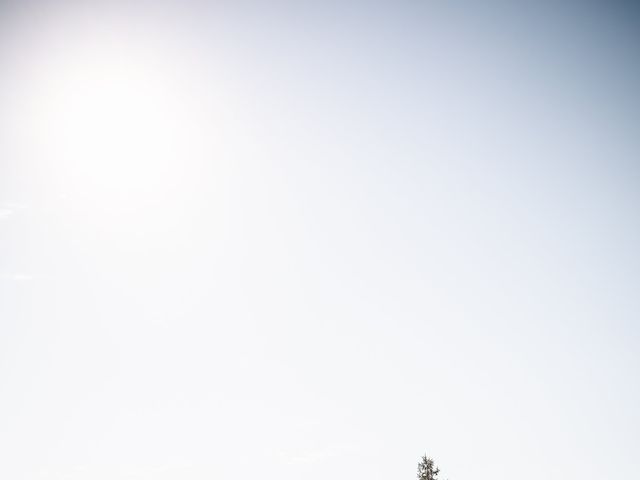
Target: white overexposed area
(297, 240)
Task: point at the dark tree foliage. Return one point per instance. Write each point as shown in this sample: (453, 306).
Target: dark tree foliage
(427, 470)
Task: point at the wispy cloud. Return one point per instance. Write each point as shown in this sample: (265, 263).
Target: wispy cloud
(18, 276)
(7, 209)
(14, 205)
(22, 277)
(316, 455)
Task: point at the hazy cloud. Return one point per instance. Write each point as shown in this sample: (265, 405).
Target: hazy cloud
(316, 455)
(7, 209)
(18, 277)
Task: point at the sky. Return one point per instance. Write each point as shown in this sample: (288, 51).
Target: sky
(319, 239)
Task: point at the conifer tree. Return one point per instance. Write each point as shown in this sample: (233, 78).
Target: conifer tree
(427, 469)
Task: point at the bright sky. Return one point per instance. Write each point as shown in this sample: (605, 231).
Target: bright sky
(296, 240)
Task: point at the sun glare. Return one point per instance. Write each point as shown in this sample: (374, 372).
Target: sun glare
(115, 122)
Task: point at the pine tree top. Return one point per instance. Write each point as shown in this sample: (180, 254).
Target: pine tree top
(427, 469)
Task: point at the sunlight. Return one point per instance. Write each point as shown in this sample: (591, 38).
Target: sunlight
(117, 121)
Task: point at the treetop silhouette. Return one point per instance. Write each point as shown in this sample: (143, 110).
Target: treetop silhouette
(427, 469)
